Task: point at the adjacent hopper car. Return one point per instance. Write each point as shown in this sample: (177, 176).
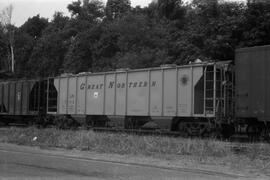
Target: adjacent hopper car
(22, 100)
(196, 99)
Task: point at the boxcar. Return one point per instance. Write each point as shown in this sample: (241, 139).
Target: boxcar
(253, 86)
(253, 83)
(195, 91)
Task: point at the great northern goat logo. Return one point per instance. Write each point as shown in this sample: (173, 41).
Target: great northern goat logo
(184, 79)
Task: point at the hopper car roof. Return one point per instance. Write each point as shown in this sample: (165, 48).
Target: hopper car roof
(147, 69)
(17, 80)
(254, 48)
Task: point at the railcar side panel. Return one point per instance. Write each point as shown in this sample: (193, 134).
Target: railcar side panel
(33, 97)
(12, 98)
(169, 92)
(109, 94)
(25, 97)
(184, 91)
(63, 84)
(6, 97)
(81, 92)
(138, 91)
(2, 98)
(71, 95)
(94, 95)
(242, 84)
(257, 101)
(18, 98)
(156, 93)
(120, 98)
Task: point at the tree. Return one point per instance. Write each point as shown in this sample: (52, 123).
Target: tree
(24, 44)
(117, 8)
(85, 15)
(255, 26)
(88, 10)
(6, 17)
(136, 41)
(34, 26)
(80, 55)
(3, 50)
(59, 20)
(49, 50)
(171, 9)
(206, 8)
(96, 38)
(47, 56)
(211, 32)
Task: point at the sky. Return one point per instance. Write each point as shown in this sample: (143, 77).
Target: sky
(24, 9)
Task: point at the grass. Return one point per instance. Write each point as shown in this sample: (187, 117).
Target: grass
(114, 143)
(255, 155)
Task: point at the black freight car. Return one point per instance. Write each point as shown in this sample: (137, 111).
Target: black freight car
(22, 100)
(252, 90)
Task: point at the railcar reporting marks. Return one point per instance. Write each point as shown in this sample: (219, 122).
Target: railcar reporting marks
(118, 85)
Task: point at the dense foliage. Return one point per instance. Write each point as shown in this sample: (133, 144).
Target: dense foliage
(100, 37)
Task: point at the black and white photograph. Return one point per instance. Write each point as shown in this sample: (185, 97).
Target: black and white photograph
(135, 89)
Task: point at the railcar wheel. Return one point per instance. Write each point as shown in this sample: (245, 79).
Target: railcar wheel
(227, 130)
(267, 137)
(268, 132)
(4, 121)
(42, 121)
(96, 121)
(128, 124)
(2, 124)
(264, 132)
(136, 122)
(215, 135)
(65, 122)
(253, 131)
(182, 129)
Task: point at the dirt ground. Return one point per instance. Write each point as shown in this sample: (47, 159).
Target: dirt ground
(179, 162)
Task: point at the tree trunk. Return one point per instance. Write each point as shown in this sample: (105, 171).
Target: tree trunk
(12, 58)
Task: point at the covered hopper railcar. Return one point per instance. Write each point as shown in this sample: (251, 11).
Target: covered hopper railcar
(194, 98)
(21, 101)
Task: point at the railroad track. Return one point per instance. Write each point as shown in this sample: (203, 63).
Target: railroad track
(138, 131)
(242, 138)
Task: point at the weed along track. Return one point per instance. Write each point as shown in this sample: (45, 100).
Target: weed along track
(243, 139)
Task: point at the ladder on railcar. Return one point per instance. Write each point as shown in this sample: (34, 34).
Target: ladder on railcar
(219, 92)
(209, 94)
